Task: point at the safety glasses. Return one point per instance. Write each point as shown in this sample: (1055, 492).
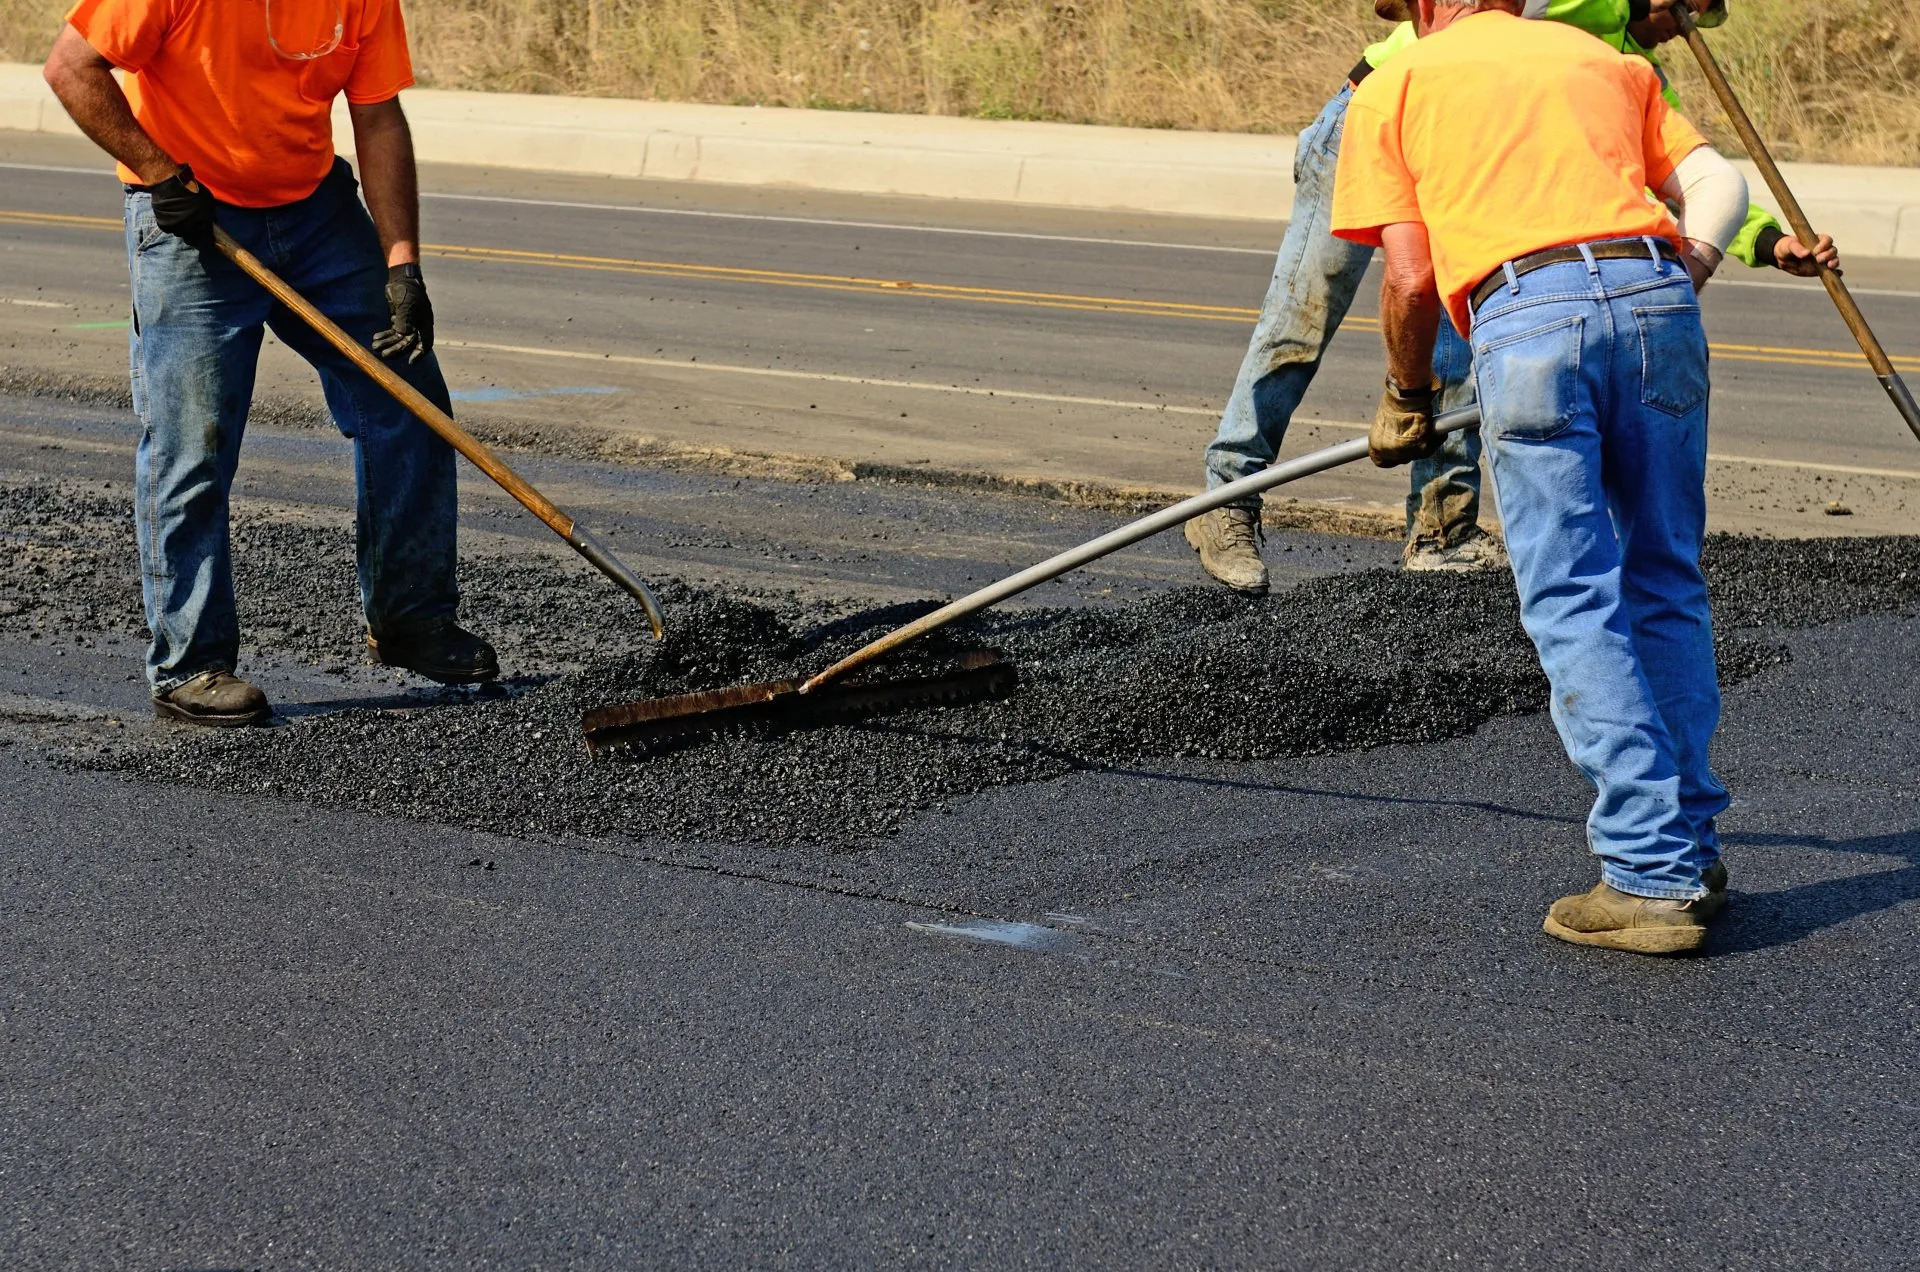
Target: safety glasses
(298, 30)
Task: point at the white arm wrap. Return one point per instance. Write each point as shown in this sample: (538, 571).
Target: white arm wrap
(1712, 197)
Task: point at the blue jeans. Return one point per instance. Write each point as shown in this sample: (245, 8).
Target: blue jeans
(197, 328)
(1315, 279)
(1593, 394)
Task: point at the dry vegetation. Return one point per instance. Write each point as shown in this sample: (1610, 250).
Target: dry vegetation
(1831, 79)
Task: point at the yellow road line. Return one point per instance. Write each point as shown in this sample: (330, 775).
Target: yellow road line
(1841, 359)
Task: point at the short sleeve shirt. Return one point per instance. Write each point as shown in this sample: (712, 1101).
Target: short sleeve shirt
(1505, 137)
(243, 91)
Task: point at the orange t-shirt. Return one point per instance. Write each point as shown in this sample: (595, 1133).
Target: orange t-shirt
(216, 89)
(1505, 137)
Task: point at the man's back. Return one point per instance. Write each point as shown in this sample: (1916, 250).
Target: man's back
(1560, 133)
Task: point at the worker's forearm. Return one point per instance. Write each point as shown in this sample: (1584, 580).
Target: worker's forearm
(93, 98)
(1410, 319)
(388, 178)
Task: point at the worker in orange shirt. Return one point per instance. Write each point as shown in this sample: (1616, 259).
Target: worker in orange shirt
(1503, 166)
(226, 119)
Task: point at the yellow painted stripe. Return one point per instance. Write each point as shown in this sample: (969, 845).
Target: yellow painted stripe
(1840, 359)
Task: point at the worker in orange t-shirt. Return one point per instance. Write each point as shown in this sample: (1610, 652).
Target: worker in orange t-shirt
(1503, 166)
(226, 118)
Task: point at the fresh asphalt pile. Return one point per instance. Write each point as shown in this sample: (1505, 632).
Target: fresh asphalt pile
(1338, 663)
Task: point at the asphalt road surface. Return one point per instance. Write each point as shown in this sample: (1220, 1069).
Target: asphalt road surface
(1291, 1013)
(1068, 347)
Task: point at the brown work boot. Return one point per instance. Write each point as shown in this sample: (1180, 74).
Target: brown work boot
(1228, 541)
(442, 651)
(218, 699)
(1616, 920)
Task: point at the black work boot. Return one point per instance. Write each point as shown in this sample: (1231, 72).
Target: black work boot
(218, 699)
(442, 651)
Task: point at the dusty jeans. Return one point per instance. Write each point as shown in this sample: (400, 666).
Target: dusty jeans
(1593, 384)
(1315, 280)
(197, 329)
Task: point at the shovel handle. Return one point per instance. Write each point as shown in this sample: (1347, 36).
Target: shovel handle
(577, 536)
(1107, 544)
(1883, 367)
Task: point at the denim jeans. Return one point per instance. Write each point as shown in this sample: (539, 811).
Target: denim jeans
(1315, 280)
(197, 330)
(1593, 393)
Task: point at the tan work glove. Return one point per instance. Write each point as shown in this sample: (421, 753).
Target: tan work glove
(1402, 427)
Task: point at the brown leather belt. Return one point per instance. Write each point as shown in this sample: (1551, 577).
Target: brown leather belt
(1611, 250)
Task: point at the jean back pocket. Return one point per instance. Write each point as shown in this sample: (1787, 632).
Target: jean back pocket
(1673, 358)
(1530, 381)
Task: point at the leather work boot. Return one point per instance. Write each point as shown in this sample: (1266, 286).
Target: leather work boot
(443, 651)
(1616, 920)
(1228, 541)
(1476, 550)
(218, 699)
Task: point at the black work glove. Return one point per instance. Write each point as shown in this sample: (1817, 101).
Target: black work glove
(183, 207)
(412, 329)
(1402, 427)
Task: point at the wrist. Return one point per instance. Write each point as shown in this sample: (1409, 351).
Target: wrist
(1766, 246)
(1416, 396)
(405, 269)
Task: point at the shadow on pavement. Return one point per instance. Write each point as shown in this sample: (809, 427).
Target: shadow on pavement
(1763, 920)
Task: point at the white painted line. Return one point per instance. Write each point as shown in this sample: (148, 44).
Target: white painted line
(826, 377)
(34, 304)
(850, 225)
(1021, 395)
(54, 167)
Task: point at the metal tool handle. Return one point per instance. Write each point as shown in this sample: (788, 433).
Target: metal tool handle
(1856, 321)
(1107, 544)
(576, 535)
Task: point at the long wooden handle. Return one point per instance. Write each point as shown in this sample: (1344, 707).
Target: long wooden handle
(1856, 321)
(577, 536)
(1107, 544)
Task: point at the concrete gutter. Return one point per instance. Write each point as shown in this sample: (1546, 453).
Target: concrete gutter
(1870, 211)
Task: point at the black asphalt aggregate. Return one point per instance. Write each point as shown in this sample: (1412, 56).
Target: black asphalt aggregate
(1288, 1012)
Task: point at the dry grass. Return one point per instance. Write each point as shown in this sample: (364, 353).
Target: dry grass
(1832, 80)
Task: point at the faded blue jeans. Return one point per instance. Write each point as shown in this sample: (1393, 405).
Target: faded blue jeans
(1315, 280)
(197, 329)
(1593, 392)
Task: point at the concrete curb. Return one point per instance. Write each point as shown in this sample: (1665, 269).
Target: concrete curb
(1870, 211)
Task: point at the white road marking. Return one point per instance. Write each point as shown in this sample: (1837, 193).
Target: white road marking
(34, 304)
(1021, 395)
(827, 377)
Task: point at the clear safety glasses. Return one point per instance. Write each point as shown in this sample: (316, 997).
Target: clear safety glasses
(299, 31)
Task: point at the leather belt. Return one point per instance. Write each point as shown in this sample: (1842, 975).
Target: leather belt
(1611, 250)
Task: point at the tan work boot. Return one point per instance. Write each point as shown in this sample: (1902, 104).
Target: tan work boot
(1616, 920)
(1228, 541)
(217, 698)
(1476, 550)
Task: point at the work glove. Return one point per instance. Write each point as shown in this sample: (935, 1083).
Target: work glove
(412, 329)
(1402, 427)
(183, 207)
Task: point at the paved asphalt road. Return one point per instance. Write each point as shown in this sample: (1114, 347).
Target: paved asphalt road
(1067, 346)
(1293, 1014)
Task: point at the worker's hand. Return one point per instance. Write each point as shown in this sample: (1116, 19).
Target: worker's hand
(1793, 256)
(183, 207)
(412, 329)
(1402, 427)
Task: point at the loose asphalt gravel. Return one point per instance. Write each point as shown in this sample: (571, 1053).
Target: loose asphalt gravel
(1335, 664)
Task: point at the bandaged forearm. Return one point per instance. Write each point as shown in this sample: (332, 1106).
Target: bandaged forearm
(1712, 199)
